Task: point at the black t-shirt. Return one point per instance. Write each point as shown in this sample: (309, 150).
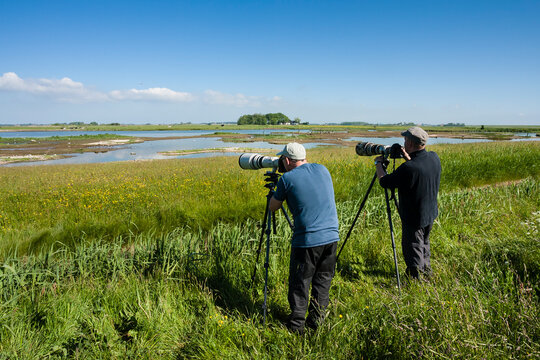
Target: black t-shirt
(417, 181)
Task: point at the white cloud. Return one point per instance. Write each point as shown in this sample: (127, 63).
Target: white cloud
(64, 89)
(10, 81)
(163, 94)
(67, 90)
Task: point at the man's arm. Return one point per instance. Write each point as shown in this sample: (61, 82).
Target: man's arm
(274, 204)
(379, 167)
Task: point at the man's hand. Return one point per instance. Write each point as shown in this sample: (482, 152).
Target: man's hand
(379, 159)
(380, 165)
(274, 204)
(406, 155)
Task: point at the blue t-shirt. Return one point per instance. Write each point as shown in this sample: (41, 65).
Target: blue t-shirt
(309, 193)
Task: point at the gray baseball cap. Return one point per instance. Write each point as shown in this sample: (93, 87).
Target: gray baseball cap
(417, 133)
(293, 151)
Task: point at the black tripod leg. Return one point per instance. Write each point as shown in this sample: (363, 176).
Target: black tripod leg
(267, 263)
(287, 217)
(269, 218)
(261, 238)
(357, 214)
(389, 212)
(395, 201)
(274, 222)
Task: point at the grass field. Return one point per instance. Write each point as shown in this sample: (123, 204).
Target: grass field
(154, 260)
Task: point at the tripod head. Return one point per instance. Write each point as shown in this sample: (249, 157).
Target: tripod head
(271, 178)
(387, 156)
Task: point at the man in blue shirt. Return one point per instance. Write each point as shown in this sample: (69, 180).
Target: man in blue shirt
(309, 192)
(417, 181)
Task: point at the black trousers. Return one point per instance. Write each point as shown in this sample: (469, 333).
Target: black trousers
(416, 252)
(310, 266)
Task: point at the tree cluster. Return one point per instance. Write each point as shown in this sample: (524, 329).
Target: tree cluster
(268, 119)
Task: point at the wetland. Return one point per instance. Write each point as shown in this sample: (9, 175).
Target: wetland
(33, 146)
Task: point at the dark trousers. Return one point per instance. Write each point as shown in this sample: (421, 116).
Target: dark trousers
(415, 245)
(310, 266)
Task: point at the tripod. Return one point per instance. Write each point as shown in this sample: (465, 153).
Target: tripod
(268, 224)
(389, 213)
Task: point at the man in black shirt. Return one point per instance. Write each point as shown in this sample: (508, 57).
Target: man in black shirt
(417, 181)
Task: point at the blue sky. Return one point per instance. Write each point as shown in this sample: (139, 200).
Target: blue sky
(428, 62)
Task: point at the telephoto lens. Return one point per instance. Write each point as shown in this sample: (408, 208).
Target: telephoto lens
(250, 161)
(365, 148)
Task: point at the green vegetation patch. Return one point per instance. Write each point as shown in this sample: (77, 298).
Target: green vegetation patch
(19, 141)
(217, 150)
(154, 260)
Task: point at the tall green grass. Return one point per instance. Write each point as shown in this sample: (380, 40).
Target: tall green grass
(179, 288)
(44, 204)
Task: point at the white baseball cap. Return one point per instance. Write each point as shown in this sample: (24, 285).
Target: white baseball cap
(293, 151)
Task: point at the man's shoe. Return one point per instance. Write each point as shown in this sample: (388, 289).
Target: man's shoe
(295, 329)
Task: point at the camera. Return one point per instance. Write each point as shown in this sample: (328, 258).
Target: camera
(365, 148)
(250, 161)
